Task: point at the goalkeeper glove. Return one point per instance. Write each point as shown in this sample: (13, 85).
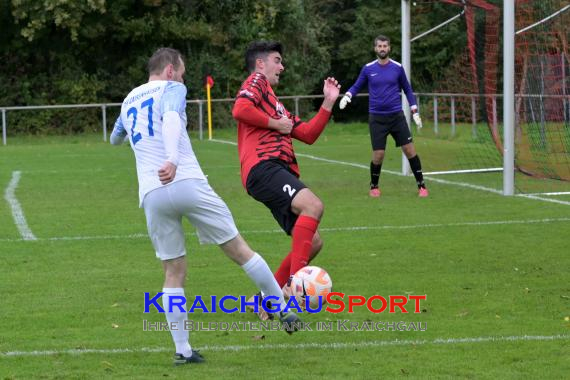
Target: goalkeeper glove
(417, 120)
(345, 100)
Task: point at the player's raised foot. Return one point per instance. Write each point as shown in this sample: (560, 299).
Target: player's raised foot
(423, 192)
(374, 192)
(286, 289)
(291, 322)
(195, 358)
(250, 300)
(261, 313)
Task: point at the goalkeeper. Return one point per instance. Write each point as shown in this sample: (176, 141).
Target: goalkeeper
(386, 79)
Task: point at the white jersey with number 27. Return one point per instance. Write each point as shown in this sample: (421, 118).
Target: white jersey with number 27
(141, 120)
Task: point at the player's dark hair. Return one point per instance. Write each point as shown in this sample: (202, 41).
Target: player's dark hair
(260, 49)
(381, 37)
(162, 58)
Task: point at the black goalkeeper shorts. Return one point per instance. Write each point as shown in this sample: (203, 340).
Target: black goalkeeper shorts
(383, 125)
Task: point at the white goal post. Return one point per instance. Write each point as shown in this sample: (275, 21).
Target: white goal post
(511, 101)
(406, 63)
(508, 87)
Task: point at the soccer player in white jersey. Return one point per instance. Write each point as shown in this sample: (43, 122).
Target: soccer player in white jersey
(172, 185)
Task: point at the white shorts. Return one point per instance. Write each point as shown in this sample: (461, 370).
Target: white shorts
(196, 200)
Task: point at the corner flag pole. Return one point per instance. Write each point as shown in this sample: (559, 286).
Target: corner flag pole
(209, 84)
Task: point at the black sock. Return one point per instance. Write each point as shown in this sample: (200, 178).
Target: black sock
(374, 174)
(416, 166)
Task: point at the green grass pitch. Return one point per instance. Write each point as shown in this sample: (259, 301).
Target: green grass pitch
(494, 269)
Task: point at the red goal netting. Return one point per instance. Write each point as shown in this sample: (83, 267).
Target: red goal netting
(468, 93)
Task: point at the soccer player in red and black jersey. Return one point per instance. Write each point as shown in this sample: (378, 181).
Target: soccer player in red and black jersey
(269, 169)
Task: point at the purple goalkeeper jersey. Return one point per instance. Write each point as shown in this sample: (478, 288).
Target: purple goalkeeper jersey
(385, 83)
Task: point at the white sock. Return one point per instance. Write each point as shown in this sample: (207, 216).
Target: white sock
(258, 270)
(180, 335)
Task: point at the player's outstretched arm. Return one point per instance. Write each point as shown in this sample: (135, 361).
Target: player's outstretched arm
(345, 100)
(331, 90)
(361, 81)
(309, 132)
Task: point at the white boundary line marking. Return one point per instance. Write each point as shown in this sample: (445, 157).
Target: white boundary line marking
(300, 346)
(17, 212)
(326, 229)
(437, 180)
(384, 171)
(553, 193)
(529, 196)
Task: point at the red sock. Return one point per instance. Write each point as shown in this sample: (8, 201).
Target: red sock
(303, 233)
(282, 274)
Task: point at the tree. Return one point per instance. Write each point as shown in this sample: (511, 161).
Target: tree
(67, 51)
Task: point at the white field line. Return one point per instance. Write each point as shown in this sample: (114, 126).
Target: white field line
(17, 212)
(529, 196)
(326, 229)
(301, 346)
(361, 166)
(437, 180)
(553, 193)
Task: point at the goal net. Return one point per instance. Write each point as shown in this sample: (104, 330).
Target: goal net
(542, 134)
(462, 106)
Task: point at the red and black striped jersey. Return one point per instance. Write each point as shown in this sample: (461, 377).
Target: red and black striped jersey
(256, 142)
(255, 104)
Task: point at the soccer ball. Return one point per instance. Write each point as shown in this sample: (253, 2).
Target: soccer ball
(311, 281)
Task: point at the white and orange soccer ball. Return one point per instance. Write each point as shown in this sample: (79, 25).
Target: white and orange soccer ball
(311, 281)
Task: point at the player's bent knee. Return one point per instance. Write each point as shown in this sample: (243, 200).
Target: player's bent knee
(377, 159)
(307, 203)
(409, 150)
(316, 209)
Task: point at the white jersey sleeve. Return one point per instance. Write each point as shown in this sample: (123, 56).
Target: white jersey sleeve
(141, 118)
(173, 101)
(119, 133)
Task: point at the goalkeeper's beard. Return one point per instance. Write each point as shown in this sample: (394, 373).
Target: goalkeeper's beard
(382, 55)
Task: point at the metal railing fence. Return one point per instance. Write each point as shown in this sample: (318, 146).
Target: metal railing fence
(436, 101)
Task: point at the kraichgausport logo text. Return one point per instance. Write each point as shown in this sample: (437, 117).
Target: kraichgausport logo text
(335, 302)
